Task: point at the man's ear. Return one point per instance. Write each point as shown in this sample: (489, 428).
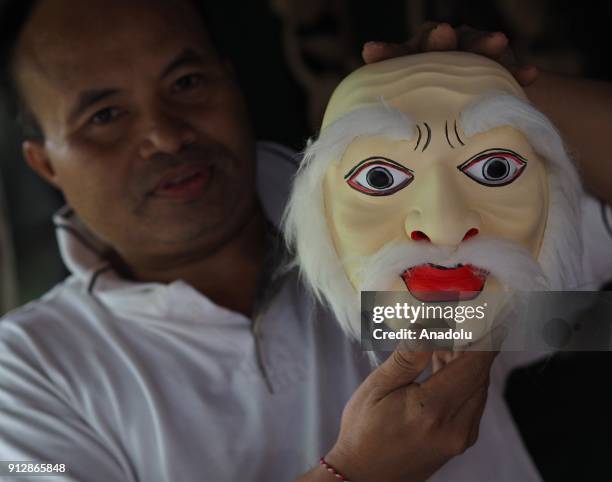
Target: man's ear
(35, 155)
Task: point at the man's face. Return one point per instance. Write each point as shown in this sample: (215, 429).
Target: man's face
(146, 132)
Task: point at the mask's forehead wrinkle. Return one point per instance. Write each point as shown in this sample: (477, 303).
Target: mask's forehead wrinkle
(428, 140)
(457, 133)
(446, 134)
(419, 138)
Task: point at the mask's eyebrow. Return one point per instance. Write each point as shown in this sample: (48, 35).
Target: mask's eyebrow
(497, 110)
(372, 120)
(88, 98)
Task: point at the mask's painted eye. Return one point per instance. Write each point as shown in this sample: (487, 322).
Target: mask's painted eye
(494, 167)
(378, 176)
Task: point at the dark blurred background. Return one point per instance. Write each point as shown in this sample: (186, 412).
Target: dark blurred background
(289, 55)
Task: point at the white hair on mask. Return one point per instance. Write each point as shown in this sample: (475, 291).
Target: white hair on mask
(307, 234)
(304, 222)
(561, 251)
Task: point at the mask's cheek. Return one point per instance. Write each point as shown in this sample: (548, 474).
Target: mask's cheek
(516, 212)
(359, 224)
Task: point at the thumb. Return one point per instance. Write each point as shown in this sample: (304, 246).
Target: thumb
(399, 370)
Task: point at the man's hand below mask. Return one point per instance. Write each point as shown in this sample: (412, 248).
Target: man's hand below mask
(394, 429)
(435, 36)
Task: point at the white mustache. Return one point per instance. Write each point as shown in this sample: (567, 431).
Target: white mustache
(511, 264)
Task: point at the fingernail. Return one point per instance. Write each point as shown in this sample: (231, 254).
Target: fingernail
(373, 44)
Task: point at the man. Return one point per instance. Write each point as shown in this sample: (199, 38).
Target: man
(145, 364)
(160, 359)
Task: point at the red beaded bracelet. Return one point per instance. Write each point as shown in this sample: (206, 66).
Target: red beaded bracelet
(332, 470)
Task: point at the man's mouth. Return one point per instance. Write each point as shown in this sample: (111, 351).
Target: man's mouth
(183, 184)
(431, 282)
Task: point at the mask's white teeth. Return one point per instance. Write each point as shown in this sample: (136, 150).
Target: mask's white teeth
(445, 266)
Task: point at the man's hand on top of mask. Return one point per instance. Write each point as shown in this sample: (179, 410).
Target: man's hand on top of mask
(435, 36)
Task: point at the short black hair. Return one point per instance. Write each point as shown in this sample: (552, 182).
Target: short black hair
(14, 14)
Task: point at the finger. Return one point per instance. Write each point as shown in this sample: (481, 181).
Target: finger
(417, 344)
(379, 51)
(442, 358)
(490, 44)
(399, 370)
(437, 362)
(495, 45)
(441, 37)
(457, 382)
(431, 36)
(467, 419)
(478, 411)
(525, 75)
(419, 40)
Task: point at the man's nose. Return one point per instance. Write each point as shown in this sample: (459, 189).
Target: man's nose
(438, 211)
(165, 133)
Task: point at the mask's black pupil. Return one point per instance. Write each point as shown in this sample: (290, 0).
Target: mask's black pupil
(496, 169)
(379, 178)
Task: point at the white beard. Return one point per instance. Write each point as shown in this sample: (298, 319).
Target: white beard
(511, 264)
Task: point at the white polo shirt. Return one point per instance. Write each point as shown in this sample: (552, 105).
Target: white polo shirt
(126, 381)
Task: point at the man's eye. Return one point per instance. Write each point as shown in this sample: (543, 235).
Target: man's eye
(106, 116)
(378, 176)
(494, 167)
(187, 82)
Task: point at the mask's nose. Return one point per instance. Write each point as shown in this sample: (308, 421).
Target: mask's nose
(438, 210)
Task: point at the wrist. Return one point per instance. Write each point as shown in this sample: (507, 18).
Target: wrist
(332, 470)
(339, 462)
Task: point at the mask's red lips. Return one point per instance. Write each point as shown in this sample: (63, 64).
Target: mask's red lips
(429, 282)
